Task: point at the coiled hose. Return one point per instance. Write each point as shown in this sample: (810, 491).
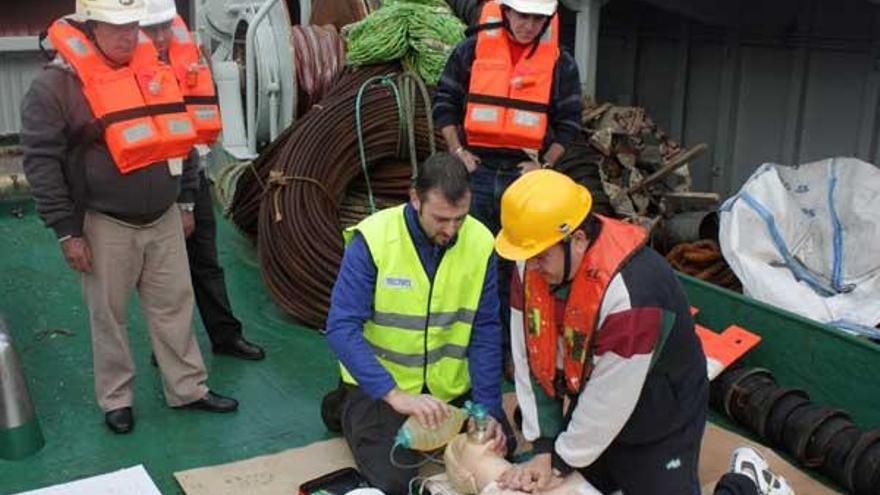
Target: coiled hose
(244, 207)
(316, 182)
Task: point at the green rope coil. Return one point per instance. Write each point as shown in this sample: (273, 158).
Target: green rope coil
(421, 33)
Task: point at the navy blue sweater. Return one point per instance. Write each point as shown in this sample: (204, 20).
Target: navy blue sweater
(351, 305)
(565, 99)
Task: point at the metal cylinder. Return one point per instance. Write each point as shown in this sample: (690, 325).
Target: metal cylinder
(691, 226)
(20, 433)
(13, 184)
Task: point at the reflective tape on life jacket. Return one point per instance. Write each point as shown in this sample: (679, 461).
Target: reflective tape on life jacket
(195, 82)
(138, 105)
(508, 101)
(616, 243)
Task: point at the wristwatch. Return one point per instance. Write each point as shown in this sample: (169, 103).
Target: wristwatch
(187, 207)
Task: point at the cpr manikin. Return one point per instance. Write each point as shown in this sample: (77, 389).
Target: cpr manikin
(472, 468)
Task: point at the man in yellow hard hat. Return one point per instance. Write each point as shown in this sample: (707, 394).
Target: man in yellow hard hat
(600, 319)
(508, 102)
(103, 161)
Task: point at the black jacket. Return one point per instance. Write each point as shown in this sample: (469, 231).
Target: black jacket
(565, 99)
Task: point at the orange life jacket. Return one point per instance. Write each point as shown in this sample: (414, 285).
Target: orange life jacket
(195, 82)
(139, 105)
(508, 101)
(616, 243)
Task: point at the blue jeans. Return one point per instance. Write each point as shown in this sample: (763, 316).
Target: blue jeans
(488, 183)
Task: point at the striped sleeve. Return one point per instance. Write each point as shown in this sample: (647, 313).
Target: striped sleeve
(624, 349)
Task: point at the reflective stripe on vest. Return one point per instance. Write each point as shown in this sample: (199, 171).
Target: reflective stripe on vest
(139, 105)
(417, 323)
(195, 82)
(507, 103)
(420, 328)
(616, 243)
(417, 360)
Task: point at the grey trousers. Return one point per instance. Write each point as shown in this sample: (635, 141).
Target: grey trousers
(152, 260)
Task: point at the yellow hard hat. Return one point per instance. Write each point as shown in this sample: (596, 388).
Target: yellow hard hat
(538, 210)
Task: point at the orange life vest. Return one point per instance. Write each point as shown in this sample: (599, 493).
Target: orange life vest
(139, 105)
(508, 101)
(195, 82)
(616, 243)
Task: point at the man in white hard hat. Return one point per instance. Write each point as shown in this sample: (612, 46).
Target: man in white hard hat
(105, 170)
(166, 29)
(508, 102)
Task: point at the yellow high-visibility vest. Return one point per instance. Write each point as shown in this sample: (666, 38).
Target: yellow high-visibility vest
(420, 328)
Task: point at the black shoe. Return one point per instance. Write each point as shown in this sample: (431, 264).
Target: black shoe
(120, 420)
(240, 348)
(213, 403)
(153, 360)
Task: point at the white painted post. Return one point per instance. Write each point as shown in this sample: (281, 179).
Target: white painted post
(586, 40)
(305, 12)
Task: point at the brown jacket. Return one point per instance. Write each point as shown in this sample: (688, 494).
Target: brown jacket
(69, 171)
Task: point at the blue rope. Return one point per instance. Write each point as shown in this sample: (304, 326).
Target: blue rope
(837, 277)
(800, 272)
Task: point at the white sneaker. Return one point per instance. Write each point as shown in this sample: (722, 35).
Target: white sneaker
(750, 462)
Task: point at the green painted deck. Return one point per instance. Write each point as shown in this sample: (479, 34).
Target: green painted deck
(41, 303)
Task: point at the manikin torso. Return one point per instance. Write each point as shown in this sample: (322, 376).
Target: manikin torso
(473, 467)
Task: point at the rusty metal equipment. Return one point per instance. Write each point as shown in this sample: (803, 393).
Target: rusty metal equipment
(639, 163)
(703, 259)
(244, 204)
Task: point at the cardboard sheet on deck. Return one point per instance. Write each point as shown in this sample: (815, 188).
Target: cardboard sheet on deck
(275, 474)
(282, 473)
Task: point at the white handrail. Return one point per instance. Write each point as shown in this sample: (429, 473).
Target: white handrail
(251, 76)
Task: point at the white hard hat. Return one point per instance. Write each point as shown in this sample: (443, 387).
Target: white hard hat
(159, 11)
(110, 11)
(540, 7)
